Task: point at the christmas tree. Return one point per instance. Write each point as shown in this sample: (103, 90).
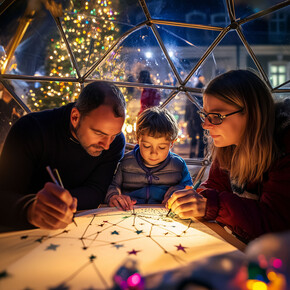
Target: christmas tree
(90, 30)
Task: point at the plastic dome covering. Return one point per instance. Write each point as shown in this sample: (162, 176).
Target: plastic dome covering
(50, 49)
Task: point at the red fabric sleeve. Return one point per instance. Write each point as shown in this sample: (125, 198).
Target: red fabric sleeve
(247, 217)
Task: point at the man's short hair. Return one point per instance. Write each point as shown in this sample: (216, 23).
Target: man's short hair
(100, 93)
(157, 122)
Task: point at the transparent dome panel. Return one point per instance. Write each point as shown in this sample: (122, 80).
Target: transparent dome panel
(90, 37)
(134, 100)
(185, 46)
(189, 142)
(138, 52)
(125, 12)
(10, 111)
(269, 38)
(194, 130)
(285, 86)
(37, 46)
(247, 8)
(281, 96)
(208, 12)
(42, 95)
(229, 54)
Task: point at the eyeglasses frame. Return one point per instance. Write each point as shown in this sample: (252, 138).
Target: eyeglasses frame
(221, 117)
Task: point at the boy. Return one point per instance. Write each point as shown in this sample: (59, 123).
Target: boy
(150, 173)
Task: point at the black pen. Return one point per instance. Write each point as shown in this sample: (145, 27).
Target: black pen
(186, 187)
(57, 180)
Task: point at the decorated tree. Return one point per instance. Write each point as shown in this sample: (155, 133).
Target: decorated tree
(90, 30)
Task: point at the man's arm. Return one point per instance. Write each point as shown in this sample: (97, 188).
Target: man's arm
(25, 201)
(17, 163)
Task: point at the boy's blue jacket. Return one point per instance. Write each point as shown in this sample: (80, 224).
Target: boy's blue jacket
(149, 185)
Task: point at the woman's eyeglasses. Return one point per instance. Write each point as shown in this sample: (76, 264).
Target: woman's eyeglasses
(215, 118)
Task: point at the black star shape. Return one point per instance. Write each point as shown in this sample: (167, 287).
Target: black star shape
(52, 247)
(92, 258)
(3, 274)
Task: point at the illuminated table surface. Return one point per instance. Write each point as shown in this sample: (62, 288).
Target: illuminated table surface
(88, 255)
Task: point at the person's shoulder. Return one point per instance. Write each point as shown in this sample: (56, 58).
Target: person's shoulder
(119, 141)
(129, 162)
(116, 148)
(176, 160)
(48, 115)
(282, 124)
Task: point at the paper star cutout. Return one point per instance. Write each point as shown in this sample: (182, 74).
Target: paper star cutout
(133, 252)
(125, 217)
(39, 240)
(105, 221)
(101, 225)
(114, 233)
(138, 232)
(3, 274)
(52, 247)
(92, 258)
(117, 246)
(181, 248)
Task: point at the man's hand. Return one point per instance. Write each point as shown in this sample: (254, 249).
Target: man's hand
(53, 208)
(187, 203)
(123, 202)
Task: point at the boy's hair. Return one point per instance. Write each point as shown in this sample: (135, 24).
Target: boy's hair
(100, 93)
(157, 122)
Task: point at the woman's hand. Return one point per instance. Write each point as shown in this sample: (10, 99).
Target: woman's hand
(187, 203)
(123, 202)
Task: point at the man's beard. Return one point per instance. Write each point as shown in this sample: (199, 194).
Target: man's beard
(86, 147)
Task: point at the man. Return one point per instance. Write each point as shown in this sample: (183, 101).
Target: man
(83, 140)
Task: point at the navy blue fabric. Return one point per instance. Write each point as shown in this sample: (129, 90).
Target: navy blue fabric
(41, 139)
(149, 185)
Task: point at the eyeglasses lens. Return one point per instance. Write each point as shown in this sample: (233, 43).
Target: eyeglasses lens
(215, 119)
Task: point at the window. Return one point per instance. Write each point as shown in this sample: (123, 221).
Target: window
(278, 73)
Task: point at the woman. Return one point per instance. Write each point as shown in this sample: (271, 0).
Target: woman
(248, 188)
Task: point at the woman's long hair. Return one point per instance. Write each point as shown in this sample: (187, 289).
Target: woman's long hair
(255, 153)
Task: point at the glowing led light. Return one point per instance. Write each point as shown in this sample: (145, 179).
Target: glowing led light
(259, 286)
(129, 128)
(170, 53)
(272, 276)
(134, 280)
(277, 263)
(148, 54)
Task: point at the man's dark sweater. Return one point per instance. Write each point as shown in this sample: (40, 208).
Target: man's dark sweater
(41, 139)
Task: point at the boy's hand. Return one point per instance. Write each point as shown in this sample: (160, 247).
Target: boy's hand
(187, 203)
(123, 202)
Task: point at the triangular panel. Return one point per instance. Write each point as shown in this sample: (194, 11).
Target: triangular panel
(40, 50)
(138, 52)
(229, 54)
(185, 46)
(269, 38)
